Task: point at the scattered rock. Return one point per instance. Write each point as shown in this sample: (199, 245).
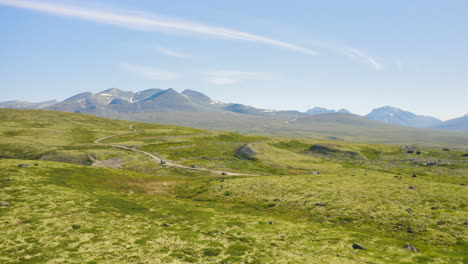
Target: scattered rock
(276, 200)
(165, 225)
(409, 230)
(75, 226)
(271, 205)
(316, 172)
(412, 187)
(414, 176)
(320, 204)
(465, 155)
(411, 248)
(193, 166)
(23, 165)
(270, 223)
(36, 164)
(440, 222)
(409, 210)
(357, 246)
(418, 152)
(410, 151)
(399, 173)
(5, 204)
(446, 149)
(224, 173)
(434, 208)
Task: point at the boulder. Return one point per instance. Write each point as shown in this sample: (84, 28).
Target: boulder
(357, 246)
(411, 248)
(246, 152)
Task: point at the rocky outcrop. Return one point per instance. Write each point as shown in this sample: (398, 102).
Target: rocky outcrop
(246, 152)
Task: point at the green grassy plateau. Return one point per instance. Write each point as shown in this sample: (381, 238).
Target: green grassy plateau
(82, 202)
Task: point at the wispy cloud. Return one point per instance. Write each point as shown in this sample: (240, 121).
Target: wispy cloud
(225, 77)
(172, 53)
(149, 23)
(150, 72)
(361, 56)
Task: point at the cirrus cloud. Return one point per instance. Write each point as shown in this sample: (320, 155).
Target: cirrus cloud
(227, 77)
(150, 23)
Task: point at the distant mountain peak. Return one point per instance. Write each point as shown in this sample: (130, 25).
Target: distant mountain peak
(396, 116)
(322, 110)
(197, 97)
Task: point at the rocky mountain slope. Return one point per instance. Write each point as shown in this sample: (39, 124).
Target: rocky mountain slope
(196, 109)
(392, 115)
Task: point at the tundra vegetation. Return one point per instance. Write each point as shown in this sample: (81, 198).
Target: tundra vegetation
(371, 203)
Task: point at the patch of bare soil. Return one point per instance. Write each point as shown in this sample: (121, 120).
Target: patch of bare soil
(110, 163)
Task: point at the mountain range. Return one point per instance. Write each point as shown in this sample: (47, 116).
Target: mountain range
(193, 108)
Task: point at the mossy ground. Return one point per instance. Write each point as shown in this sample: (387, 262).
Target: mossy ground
(67, 212)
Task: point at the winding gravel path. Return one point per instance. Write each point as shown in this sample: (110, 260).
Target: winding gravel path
(158, 159)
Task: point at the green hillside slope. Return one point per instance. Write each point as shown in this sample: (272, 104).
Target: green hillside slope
(402, 204)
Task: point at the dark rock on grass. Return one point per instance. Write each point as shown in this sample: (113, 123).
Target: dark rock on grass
(276, 200)
(412, 187)
(270, 223)
(23, 165)
(36, 164)
(320, 204)
(246, 152)
(446, 149)
(414, 176)
(165, 225)
(75, 226)
(409, 210)
(434, 208)
(465, 155)
(411, 248)
(271, 205)
(409, 230)
(5, 204)
(357, 246)
(440, 222)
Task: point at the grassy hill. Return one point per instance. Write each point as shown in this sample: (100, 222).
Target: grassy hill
(344, 126)
(386, 198)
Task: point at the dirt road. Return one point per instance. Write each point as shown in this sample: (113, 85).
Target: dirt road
(158, 159)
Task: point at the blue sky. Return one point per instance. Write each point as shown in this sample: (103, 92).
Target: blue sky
(357, 55)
